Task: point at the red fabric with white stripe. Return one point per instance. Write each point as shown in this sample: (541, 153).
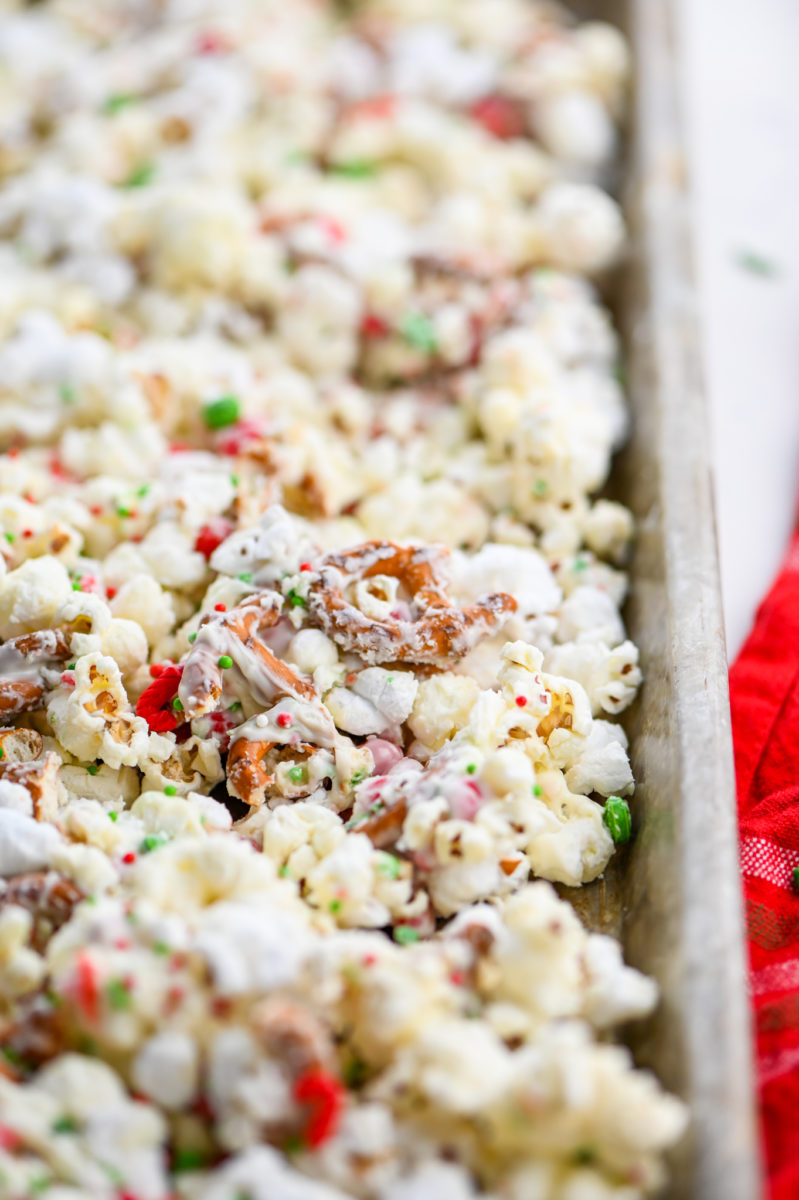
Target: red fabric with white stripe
(764, 693)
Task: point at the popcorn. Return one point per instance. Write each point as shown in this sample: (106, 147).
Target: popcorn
(31, 594)
(92, 717)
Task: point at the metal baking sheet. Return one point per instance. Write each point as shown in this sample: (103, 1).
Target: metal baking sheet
(674, 897)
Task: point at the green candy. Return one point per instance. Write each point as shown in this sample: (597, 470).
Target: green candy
(617, 819)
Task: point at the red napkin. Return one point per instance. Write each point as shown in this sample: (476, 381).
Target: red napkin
(764, 693)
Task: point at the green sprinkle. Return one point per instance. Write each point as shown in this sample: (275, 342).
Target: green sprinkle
(418, 331)
(71, 666)
(388, 866)
(234, 479)
(298, 774)
(93, 769)
(177, 704)
(245, 577)
(756, 264)
(76, 585)
(65, 1124)
(405, 935)
(188, 1160)
(67, 393)
(357, 169)
(123, 512)
(616, 816)
(113, 815)
(222, 412)
(225, 662)
(143, 490)
(293, 1144)
(358, 777)
(235, 706)
(53, 998)
(170, 790)
(2, 752)
(580, 563)
(115, 103)
(283, 871)
(295, 599)
(11, 1055)
(584, 1155)
(355, 1073)
(192, 637)
(118, 994)
(537, 789)
(40, 1184)
(9, 537)
(140, 176)
(153, 841)
(161, 948)
(334, 906)
(540, 487)
(472, 767)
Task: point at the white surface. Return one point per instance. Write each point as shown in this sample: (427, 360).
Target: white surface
(742, 93)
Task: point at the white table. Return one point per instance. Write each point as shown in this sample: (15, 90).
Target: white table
(742, 108)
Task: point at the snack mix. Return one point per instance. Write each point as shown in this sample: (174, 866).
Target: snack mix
(312, 659)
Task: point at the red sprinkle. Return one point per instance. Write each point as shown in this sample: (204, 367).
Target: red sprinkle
(521, 701)
(130, 857)
(369, 960)
(155, 702)
(333, 228)
(220, 608)
(325, 1096)
(212, 535)
(110, 592)
(284, 720)
(500, 116)
(458, 978)
(27, 533)
(68, 677)
(373, 326)
(9, 1139)
(376, 106)
(173, 999)
(88, 987)
(306, 567)
(13, 452)
(211, 42)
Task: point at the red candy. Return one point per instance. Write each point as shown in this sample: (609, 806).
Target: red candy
(155, 702)
(212, 535)
(324, 1095)
(283, 720)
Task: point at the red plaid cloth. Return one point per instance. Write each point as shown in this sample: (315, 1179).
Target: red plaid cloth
(764, 693)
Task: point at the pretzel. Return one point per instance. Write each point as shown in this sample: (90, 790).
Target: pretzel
(440, 630)
(40, 777)
(22, 685)
(235, 634)
(252, 767)
(49, 897)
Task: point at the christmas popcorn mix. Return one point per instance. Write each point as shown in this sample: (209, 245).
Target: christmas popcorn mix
(311, 658)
